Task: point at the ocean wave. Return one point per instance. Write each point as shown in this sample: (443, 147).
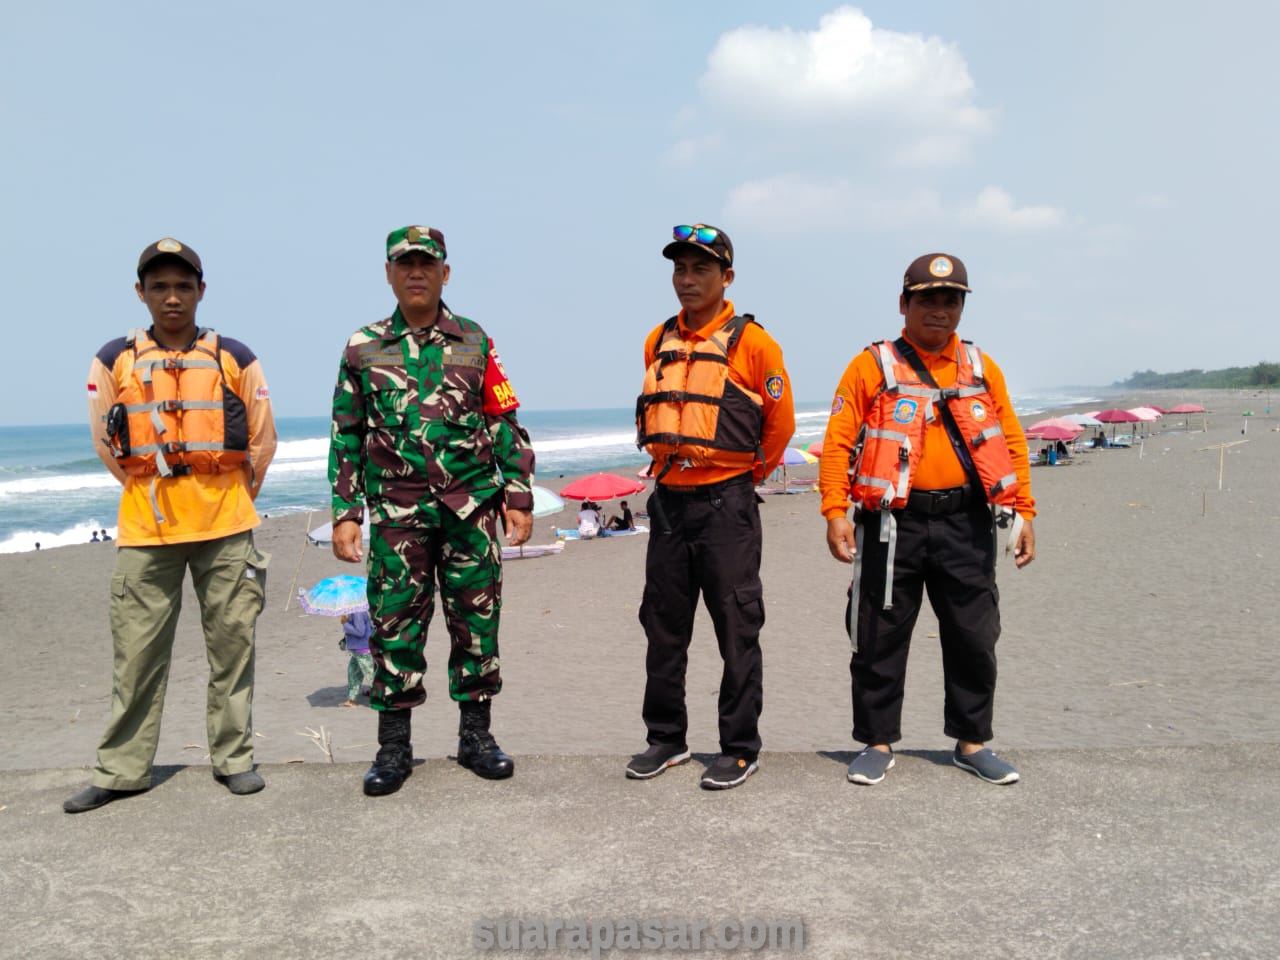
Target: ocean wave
(586, 442)
(58, 484)
(20, 541)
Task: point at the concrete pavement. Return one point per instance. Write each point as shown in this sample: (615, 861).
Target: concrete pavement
(1135, 853)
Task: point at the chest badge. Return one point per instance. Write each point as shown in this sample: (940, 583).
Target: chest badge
(904, 411)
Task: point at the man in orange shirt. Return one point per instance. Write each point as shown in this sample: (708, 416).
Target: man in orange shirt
(182, 418)
(924, 442)
(716, 415)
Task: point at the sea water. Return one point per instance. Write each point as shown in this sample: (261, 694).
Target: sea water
(55, 491)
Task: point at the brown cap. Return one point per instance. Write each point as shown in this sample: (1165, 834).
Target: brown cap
(700, 236)
(169, 247)
(935, 270)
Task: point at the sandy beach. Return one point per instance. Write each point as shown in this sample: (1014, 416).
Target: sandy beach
(1136, 695)
(1144, 621)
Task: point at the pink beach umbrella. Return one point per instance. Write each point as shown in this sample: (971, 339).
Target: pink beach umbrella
(1052, 432)
(1114, 416)
(601, 486)
(1060, 422)
(1187, 408)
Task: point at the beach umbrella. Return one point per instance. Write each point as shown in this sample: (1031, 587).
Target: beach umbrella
(1187, 408)
(545, 503)
(1062, 423)
(335, 596)
(1114, 416)
(794, 456)
(601, 486)
(1052, 432)
(1145, 414)
(815, 448)
(1083, 419)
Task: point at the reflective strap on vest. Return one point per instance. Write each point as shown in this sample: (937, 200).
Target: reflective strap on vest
(888, 535)
(888, 435)
(171, 363)
(986, 435)
(1003, 483)
(855, 588)
(904, 472)
(887, 361)
(975, 359)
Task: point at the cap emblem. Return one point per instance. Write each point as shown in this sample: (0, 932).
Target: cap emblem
(413, 235)
(940, 267)
(169, 245)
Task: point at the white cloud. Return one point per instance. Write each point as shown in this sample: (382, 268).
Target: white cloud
(995, 208)
(847, 79)
(790, 200)
(1155, 201)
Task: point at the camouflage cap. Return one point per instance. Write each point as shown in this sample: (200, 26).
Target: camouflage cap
(169, 247)
(426, 240)
(935, 270)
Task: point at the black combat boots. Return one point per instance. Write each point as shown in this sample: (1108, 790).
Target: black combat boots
(394, 762)
(477, 750)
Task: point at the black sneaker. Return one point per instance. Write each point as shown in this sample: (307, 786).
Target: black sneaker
(986, 764)
(728, 772)
(91, 798)
(243, 783)
(655, 760)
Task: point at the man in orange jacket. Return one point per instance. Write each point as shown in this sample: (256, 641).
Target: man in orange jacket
(182, 418)
(924, 441)
(715, 414)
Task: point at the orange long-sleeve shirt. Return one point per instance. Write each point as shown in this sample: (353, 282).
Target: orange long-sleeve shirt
(196, 506)
(939, 467)
(754, 359)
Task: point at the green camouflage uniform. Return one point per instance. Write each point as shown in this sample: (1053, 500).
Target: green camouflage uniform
(411, 438)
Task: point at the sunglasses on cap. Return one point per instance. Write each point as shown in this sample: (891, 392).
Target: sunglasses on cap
(695, 234)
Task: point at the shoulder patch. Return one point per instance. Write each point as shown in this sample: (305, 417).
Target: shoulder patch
(774, 386)
(242, 354)
(110, 351)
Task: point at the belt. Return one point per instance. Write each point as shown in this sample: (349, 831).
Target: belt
(708, 490)
(951, 500)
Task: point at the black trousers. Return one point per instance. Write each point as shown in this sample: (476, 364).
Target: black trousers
(712, 548)
(953, 558)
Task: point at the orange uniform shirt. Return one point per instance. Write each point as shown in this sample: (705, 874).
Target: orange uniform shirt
(755, 359)
(197, 506)
(939, 466)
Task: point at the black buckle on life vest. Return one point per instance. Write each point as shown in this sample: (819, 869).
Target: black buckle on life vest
(172, 363)
(169, 406)
(174, 446)
(181, 470)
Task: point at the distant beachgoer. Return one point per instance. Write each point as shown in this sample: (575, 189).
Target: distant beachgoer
(187, 504)
(588, 521)
(356, 630)
(94, 538)
(924, 521)
(105, 536)
(715, 414)
(37, 544)
(623, 522)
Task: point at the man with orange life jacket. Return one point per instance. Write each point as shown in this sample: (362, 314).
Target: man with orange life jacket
(182, 418)
(924, 443)
(716, 415)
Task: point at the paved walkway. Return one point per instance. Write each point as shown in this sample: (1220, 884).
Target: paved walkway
(1143, 853)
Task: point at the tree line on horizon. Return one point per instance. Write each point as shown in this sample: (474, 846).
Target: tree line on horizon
(1263, 374)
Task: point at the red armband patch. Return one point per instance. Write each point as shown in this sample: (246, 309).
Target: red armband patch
(499, 397)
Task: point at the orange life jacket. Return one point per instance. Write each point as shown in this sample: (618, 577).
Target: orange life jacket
(175, 413)
(891, 439)
(692, 410)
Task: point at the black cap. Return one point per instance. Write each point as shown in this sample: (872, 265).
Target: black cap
(719, 246)
(169, 247)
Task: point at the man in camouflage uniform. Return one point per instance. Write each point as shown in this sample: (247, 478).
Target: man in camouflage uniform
(425, 433)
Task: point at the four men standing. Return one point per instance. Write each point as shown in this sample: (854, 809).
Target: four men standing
(922, 442)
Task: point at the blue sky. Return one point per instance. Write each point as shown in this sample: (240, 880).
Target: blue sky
(1106, 170)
